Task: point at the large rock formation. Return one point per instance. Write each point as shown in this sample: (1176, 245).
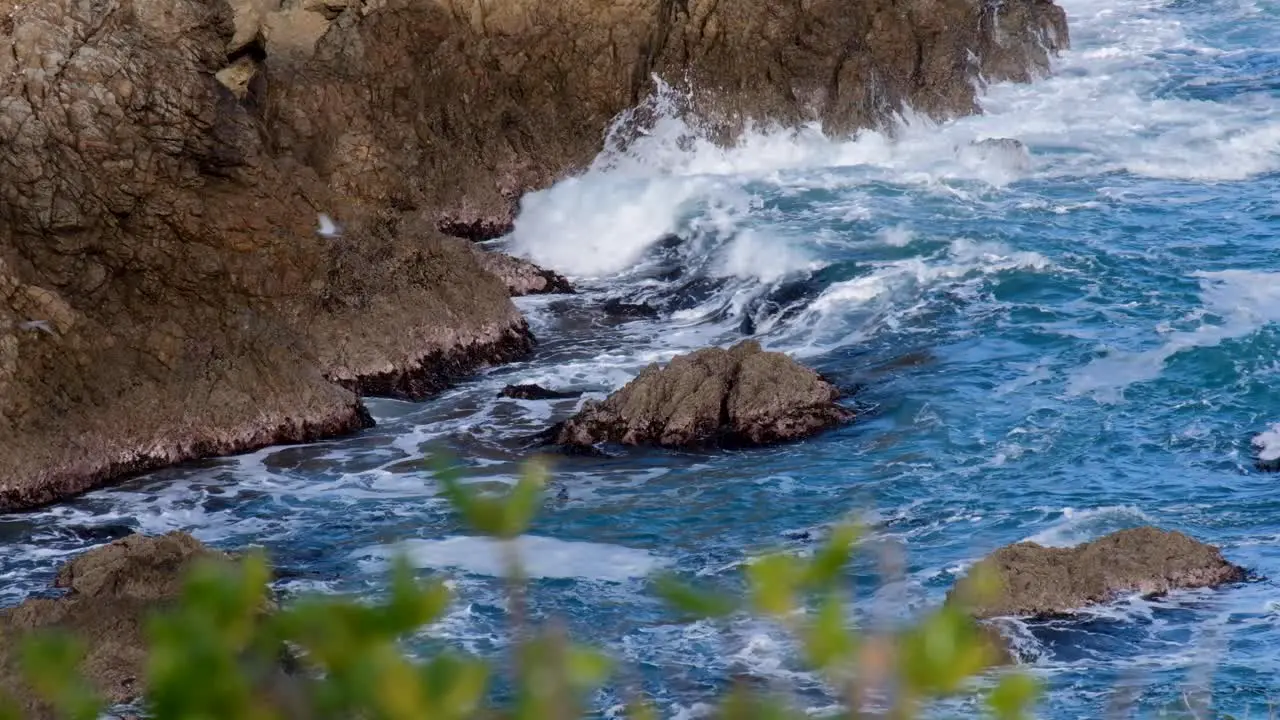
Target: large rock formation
(163, 291)
(739, 396)
(460, 106)
(1036, 581)
(110, 592)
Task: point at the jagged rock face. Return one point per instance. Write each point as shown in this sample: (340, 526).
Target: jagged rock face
(110, 592)
(163, 292)
(1037, 581)
(521, 276)
(459, 106)
(739, 396)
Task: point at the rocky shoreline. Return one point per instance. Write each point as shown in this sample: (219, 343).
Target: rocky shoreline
(222, 223)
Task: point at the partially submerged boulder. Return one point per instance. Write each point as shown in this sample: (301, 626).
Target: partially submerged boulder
(1267, 446)
(110, 592)
(535, 392)
(1036, 581)
(521, 276)
(714, 397)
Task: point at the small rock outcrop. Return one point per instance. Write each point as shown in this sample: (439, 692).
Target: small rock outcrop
(521, 276)
(1267, 447)
(535, 392)
(742, 396)
(110, 592)
(1036, 581)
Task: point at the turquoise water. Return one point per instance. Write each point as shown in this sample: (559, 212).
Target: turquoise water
(1048, 346)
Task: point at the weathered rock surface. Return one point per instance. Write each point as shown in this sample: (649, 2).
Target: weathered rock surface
(739, 396)
(460, 106)
(535, 392)
(1042, 581)
(110, 592)
(521, 276)
(163, 293)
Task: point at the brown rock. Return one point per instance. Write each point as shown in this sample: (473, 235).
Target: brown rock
(460, 106)
(163, 292)
(110, 592)
(1042, 581)
(521, 276)
(739, 396)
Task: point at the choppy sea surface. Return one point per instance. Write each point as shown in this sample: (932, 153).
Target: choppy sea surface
(1046, 346)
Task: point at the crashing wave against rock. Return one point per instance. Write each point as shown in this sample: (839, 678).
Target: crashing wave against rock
(166, 162)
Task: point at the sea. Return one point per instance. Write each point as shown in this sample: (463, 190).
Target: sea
(1045, 340)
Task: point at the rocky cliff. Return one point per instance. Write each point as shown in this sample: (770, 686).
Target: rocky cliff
(164, 292)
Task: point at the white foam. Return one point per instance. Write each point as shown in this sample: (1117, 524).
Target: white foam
(1079, 526)
(1268, 444)
(541, 557)
(1236, 303)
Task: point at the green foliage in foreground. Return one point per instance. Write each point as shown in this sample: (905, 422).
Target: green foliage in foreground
(221, 651)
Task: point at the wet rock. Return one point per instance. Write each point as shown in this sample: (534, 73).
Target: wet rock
(535, 392)
(110, 592)
(742, 396)
(616, 308)
(1038, 581)
(521, 276)
(170, 257)
(462, 125)
(165, 164)
(1267, 446)
(1007, 152)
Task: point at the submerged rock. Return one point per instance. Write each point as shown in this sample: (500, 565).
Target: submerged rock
(1006, 152)
(535, 392)
(1037, 581)
(521, 276)
(110, 592)
(616, 308)
(1267, 445)
(712, 397)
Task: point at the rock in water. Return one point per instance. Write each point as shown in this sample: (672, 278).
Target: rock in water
(1267, 445)
(1039, 581)
(712, 397)
(1008, 153)
(110, 592)
(535, 392)
(521, 276)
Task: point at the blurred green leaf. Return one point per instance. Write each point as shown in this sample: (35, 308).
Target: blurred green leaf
(50, 663)
(774, 579)
(828, 563)
(587, 668)
(523, 502)
(455, 684)
(941, 652)
(827, 640)
(691, 601)
(1014, 696)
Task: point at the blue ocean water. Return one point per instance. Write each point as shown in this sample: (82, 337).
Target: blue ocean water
(1048, 345)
